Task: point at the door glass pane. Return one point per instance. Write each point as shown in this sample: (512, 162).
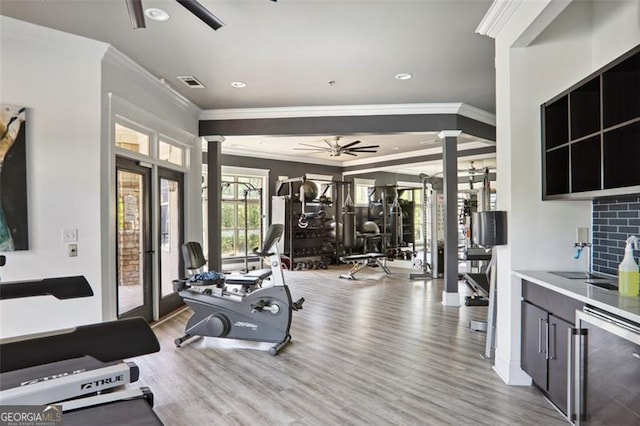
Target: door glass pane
(169, 234)
(130, 241)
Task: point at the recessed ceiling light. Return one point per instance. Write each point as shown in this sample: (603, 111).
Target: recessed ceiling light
(395, 148)
(238, 84)
(403, 76)
(156, 14)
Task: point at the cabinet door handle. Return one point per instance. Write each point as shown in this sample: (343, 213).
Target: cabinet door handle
(540, 322)
(552, 340)
(547, 339)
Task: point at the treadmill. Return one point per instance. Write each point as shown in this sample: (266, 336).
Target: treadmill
(79, 369)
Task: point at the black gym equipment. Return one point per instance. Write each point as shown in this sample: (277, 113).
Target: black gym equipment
(80, 368)
(361, 260)
(60, 288)
(244, 307)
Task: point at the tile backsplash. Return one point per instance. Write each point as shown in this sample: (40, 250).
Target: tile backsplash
(614, 219)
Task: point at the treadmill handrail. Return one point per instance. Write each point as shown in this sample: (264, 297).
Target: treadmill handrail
(60, 288)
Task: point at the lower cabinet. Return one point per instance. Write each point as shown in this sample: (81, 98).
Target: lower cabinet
(546, 318)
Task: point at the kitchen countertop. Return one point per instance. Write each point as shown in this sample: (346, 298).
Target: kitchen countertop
(608, 300)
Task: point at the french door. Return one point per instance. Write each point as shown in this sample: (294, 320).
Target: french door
(134, 254)
(171, 237)
(144, 283)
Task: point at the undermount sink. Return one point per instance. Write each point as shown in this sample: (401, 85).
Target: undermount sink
(574, 275)
(595, 280)
(602, 283)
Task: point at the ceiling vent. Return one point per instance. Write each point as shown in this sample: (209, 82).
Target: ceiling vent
(191, 81)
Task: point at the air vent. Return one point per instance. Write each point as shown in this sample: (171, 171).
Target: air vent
(191, 81)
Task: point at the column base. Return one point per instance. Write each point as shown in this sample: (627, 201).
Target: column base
(450, 299)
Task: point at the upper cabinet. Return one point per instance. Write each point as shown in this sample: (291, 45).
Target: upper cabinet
(591, 134)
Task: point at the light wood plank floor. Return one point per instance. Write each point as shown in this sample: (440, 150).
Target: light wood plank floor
(381, 350)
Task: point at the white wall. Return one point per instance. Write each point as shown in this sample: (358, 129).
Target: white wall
(581, 39)
(63, 80)
(57, 77)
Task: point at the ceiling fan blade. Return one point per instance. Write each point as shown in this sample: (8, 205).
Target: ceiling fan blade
(349, 153)
(136, 13)
(364, 147)
(328, 142)
(350, 144)
(359, 150)
(202, 13)
(313, 146)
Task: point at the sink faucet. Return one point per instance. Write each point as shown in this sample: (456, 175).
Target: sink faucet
(580, 246)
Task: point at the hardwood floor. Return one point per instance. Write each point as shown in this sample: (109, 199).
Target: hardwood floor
(379, 350)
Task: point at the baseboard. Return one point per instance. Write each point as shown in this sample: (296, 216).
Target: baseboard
(510, 371)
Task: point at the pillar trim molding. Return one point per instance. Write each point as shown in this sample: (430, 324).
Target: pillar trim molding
(449, 134)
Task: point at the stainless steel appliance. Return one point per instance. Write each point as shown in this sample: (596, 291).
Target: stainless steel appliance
(604, 380)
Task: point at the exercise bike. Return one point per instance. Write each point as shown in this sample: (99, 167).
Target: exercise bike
(244, 307)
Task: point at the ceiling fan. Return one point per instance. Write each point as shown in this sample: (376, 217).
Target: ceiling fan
(335, 149)
(472, 169)
(136, 13)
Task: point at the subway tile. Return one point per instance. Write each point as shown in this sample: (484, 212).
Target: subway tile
(629, 230)
(618, 222)
(616, 207)
(616, 251)
(609, 214)
(634, 206)
(601, 207)
(634, 222)
(609, 228)
(628, 214)
(619, 236)
(597, 221)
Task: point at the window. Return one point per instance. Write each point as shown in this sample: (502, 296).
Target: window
(132, 140)
(171, 153)
(361, 191)
(240, 190)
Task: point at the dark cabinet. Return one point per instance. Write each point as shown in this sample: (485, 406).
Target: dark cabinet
(533, 358)
(546, 318)
(591, 134)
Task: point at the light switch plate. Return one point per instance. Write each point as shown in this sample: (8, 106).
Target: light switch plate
(70, 235)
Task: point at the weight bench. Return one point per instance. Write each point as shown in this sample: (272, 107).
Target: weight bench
(360, 260)
(479, 283)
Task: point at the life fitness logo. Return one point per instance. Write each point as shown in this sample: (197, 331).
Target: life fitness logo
(102, 382)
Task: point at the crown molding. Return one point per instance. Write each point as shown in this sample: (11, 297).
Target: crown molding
(281, 157)
(47, 37)
(349, 110)
(497, 16)
(127, 65)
